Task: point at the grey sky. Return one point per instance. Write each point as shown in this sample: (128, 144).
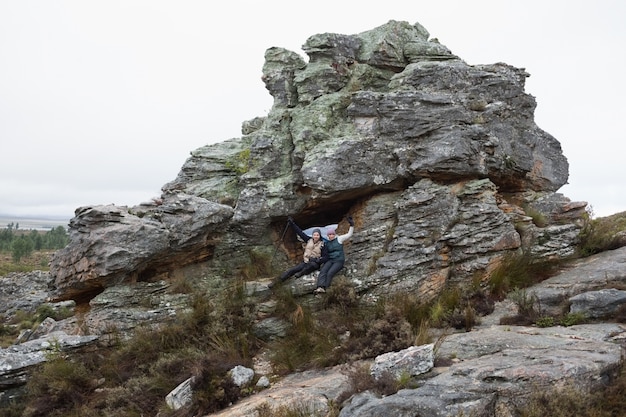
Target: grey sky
(102, 101)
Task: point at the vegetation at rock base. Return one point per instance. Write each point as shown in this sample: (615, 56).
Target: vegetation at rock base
(601, 234)
(22, 321)
(132, 377)
(519, 270)
(300, 410)
(610, 401)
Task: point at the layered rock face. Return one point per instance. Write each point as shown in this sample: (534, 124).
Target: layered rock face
(444, 171)
(439, 162)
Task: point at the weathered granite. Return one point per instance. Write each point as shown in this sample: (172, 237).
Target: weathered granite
(17, 360)
(604, 270)
(110, 245)
(436, 160)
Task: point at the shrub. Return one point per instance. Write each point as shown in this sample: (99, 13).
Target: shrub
(361, 380)
(527, 304)
(308, 344)
(545, 321)
(607, 401)
(212, 387)
(8, 334)
(413, 311)
(387, 334)
(139, 372)
(60, 385)
(46, 310)
(598, 235)
(572, 319)
(345, 329)
(259, 265)
(519, 270)
(423, 334)
(538, 218)
(21, 247)
(528, 310)
(299, 410)
(342, 295)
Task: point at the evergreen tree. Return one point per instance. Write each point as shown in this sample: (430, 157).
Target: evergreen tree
(21, 247)
(6, 237)
(37, 239)
(56, 238)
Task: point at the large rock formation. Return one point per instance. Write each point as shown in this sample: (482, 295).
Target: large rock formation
(444, 171)
(440, 163)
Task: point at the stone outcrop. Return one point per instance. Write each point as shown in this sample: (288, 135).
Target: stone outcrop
(499, 367)
(111, 245)
(439, 162)
(410, 362)
(602, 271)
(18, 360)
(23, 292)
(444, 171)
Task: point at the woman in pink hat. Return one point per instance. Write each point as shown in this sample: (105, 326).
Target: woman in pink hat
(336, 257)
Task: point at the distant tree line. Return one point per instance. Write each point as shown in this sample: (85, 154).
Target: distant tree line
(23, 243)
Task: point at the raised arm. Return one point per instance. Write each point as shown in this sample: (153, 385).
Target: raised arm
(298, 231)
(344, 237)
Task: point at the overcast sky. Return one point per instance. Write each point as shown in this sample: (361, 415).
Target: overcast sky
(102, 101)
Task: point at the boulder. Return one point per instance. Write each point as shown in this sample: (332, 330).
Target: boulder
(444, 171)
(601, 271)
(598, 304)
(16, 361)
(241, 375)
(110, 245)
(409, 362)
(180, 396)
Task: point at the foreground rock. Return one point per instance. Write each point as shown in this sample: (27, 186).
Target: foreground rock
(494, 367)
(18, 360)
(496, 370)
(23, 292)
(310, 390)
(110, 245)
(501, 367)
(602, 271)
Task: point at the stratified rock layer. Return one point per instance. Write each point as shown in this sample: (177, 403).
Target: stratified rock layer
(438, 161)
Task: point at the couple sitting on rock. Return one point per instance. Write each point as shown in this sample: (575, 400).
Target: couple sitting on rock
(319, 252)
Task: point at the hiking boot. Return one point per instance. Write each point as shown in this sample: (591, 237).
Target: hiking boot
(319, 290)
(274, 283)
